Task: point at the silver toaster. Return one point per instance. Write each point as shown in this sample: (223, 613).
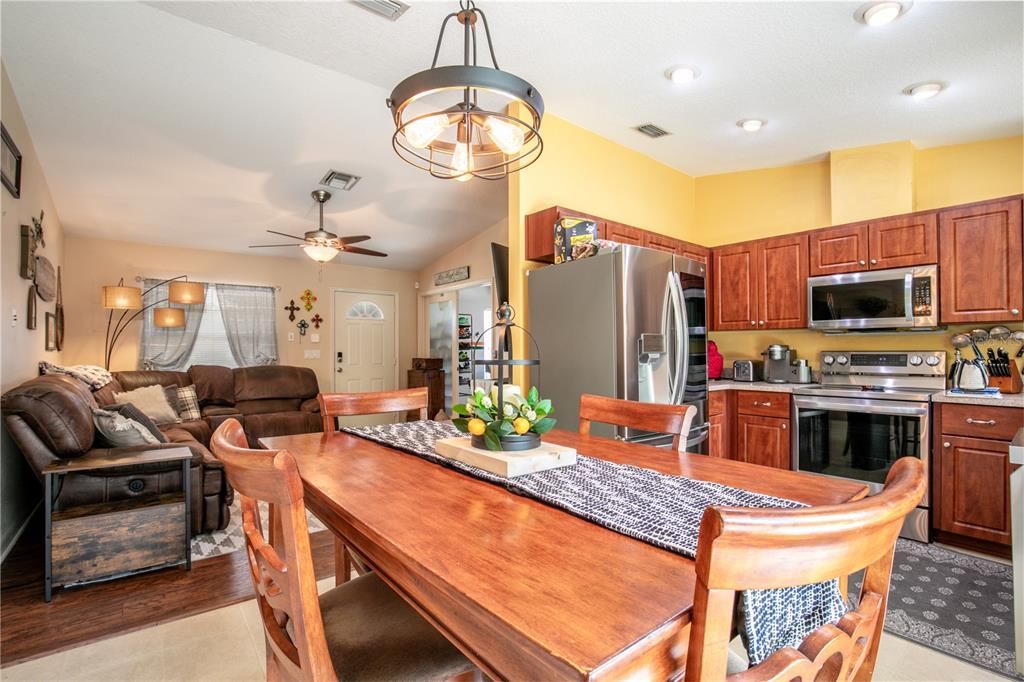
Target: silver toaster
(747, 370)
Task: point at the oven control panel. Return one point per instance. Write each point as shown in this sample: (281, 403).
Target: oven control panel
(906, 363)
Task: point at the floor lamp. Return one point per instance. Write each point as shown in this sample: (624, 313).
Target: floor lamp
(126, 299)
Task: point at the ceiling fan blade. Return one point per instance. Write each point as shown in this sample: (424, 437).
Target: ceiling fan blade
(361, 251)
(270, 246)
(353, 240)
(285, 234)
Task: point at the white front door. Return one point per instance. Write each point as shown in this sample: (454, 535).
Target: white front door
(365, 356)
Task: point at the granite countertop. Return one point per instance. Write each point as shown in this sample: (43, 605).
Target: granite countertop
(1003, 400)
(730, 385)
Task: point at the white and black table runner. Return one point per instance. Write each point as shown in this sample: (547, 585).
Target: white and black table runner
(650, 506)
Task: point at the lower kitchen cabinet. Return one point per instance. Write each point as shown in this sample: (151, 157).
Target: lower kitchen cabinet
(763, 440)
(718, 419)
(975, 488)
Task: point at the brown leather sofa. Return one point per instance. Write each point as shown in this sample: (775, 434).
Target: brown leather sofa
(50, 417)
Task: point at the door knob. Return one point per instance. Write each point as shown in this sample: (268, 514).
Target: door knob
(340, 370)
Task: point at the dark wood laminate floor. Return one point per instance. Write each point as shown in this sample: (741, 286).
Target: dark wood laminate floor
(32, 628)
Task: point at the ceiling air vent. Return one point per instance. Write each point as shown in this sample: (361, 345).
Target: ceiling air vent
(338, 180)
(651, 130)
(389, 9)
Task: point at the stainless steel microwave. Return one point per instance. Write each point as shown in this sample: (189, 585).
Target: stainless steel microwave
(880, 299)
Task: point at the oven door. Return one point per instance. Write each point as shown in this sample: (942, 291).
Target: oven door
(889, 299)
(858, 439)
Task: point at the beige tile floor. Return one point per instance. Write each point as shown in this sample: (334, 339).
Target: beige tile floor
(227, 645)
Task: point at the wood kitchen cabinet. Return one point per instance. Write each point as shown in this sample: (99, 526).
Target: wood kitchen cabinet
(972, 473)
(653, 240)
(623, 234)
(718, 418)
(980, 262)
(540, 231)
(762, 431)
(896, 242)
(761, 284)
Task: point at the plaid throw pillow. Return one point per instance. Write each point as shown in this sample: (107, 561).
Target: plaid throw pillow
(188, 403)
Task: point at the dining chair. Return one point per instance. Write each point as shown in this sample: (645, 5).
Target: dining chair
(334, 405)
(654, 417)
(758, 549)
(360, 630)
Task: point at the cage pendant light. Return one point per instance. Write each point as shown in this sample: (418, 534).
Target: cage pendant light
(467, 121)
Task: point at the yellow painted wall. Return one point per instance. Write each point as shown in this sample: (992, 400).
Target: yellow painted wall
(772, 201)
(873, 181)
(961, 173)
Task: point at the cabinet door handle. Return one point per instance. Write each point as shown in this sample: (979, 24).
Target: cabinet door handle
(753, 323)
(946, 444)
(760, 404)
(784, 426)
(874, 261)
(862, 262)
(761, 323)
(1015, 311)
(981, 422)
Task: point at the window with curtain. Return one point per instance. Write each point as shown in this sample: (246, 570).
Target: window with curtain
(235, 327)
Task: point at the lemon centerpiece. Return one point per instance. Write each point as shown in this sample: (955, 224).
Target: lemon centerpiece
(517, 425)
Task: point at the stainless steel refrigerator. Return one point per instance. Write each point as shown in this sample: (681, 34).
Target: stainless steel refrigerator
(626, 324)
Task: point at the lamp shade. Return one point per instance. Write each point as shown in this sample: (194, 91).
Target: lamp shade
(168, 317)
(122, 298)
(186, 293)
(320, 253)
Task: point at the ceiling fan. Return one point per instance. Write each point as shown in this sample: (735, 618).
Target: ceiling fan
(319, 244)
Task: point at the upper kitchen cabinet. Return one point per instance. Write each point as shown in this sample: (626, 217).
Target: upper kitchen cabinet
(623, 234)
(980, 258)
(735, 277)
(839, 249)
(782, 283)
(900, 241)
(701, 254)
(760, 285)
(540, 231)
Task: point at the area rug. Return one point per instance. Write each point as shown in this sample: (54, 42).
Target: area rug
(231, 539)
(952, 602)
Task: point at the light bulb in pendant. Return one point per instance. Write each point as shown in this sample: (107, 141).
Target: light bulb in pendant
(460, 161)
(508, 136)
(424, 131)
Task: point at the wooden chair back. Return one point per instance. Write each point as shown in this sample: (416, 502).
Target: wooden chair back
(280, 558)
(743, 549)
(671, 419)
(350, 404)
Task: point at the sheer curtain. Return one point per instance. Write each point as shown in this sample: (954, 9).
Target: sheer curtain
(163, 348)
(248, 315)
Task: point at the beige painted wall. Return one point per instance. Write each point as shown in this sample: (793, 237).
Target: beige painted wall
(475, 252)
(91, 263)
(20, 347)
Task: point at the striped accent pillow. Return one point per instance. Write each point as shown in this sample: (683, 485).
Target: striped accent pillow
(188, 403)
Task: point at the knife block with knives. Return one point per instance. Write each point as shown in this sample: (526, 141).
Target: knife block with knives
(1009, 383)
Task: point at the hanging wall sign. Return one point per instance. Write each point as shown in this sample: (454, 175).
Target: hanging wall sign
(451, 276)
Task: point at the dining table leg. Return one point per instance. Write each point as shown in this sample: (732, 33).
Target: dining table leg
(342, 562)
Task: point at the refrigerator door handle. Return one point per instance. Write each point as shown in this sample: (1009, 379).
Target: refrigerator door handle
(682, 347)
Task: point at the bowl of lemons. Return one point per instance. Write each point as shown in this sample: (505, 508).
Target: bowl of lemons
(513, 426)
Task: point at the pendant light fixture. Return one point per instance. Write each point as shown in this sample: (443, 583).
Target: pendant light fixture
(457, 122)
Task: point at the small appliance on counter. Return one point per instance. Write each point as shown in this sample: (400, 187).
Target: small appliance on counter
(968, 375)
(777, 360)
(747, 370)
(800, 372)
(716, 363)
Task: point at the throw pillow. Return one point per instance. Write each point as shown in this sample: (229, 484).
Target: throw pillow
(172, 399)
(120, 431)
(152, 401)
(137, 415)
(188, 404)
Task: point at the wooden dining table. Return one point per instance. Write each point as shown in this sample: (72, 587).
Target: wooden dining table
(525, 590)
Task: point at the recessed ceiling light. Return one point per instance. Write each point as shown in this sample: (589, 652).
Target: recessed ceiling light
(881, 13)
(682, 74)
(924, 90)
(751, 125)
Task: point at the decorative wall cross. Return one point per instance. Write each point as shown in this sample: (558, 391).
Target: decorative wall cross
(316, 320)
(308, 299)
(291, 308)
(303, 326)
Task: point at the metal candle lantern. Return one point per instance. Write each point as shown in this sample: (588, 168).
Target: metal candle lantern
(503, 364)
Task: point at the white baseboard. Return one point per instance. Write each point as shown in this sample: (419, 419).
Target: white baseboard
(14, 540)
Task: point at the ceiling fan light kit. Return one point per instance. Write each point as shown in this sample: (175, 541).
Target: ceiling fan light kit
(483, 134)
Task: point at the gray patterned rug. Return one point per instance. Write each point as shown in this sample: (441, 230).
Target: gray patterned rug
(231, 539)
(955, 603)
